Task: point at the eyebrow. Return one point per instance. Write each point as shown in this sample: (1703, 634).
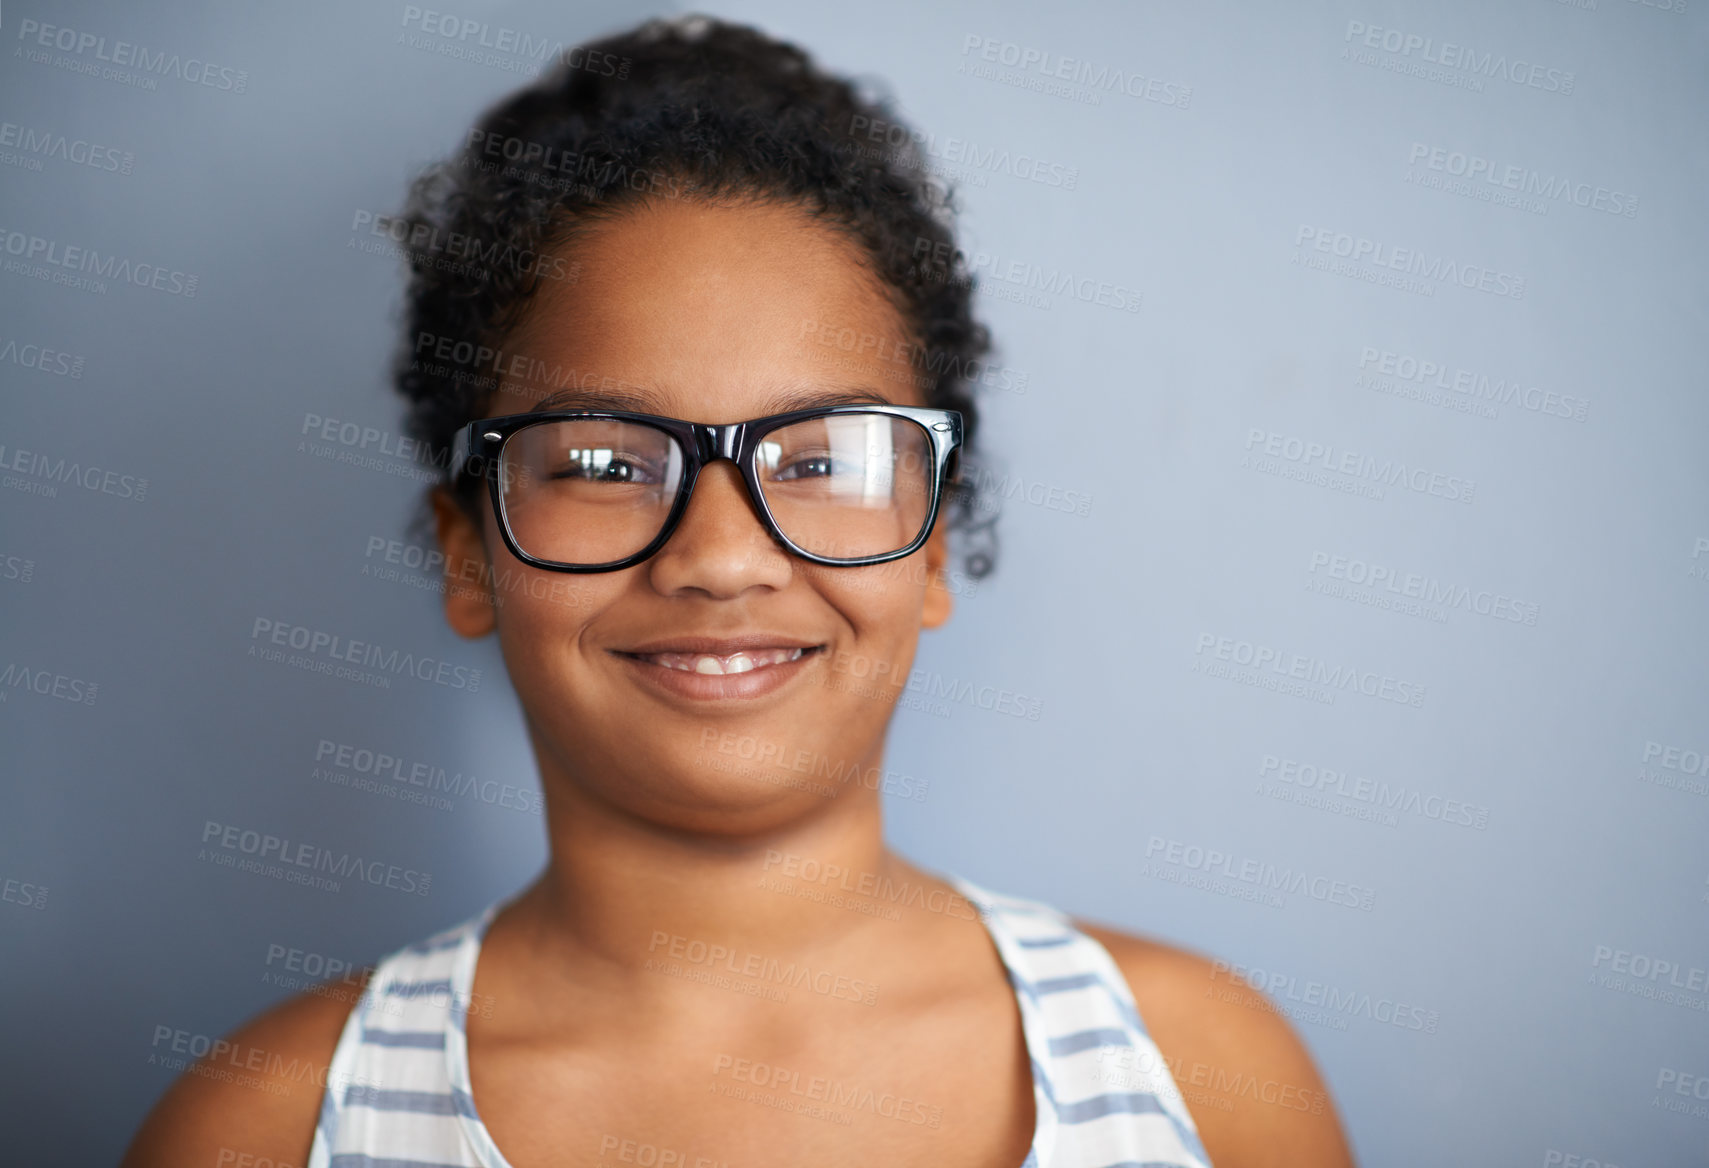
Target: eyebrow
(594, 399)
(801, 397)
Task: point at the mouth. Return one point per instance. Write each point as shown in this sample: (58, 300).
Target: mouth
(713, 669)
(716, 664)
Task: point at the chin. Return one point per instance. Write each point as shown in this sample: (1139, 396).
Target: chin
(730, 805)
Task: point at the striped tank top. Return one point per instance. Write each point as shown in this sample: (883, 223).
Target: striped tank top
(397, 1092)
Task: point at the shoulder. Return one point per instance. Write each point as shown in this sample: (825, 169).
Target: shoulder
(257, 1093)
(1250, 1084)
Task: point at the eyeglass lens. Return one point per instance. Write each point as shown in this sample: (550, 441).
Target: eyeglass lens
(589, 491)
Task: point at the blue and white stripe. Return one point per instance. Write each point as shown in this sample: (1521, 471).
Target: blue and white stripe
(397, 1093)
(1104, 1096)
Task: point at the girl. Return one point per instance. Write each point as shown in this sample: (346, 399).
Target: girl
(701, 347)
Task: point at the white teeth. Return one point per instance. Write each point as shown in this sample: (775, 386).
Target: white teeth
(734, 663)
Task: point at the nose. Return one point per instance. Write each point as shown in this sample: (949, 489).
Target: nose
(720, 548)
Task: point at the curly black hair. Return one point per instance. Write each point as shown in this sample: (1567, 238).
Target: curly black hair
(683, 108)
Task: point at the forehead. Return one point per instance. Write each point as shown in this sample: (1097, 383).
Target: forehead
(713, 313)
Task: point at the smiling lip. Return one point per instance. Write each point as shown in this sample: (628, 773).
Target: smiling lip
(715, 669)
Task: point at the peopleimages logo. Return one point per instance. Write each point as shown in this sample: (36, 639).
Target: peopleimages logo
(1642, 967)
(963, 152)
(42, 358)
(1499, 391)
(1077, 71)
(1555, 1158)
(300, 859)
(1409, 261)
(1674, 758)
(52, 255)
(1258, 873)
(783, 1082)
(78, 151)
(130, 56)
(1378, 794)
(992, 488)
(932, 259)
(1336, 1002)
(935, 363)
(342, 760)
(1306, 670)
(869, 884)
(1426, 589)
(456, 252)
(1387, 472)
(743, 963)
(1415, 47)
(1521, 179)
(1679, 768)
(467, 34)
(269, 637)
(763, 752)
(39, 681)
(51, 470)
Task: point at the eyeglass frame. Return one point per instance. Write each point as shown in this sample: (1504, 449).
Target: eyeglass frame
(482, 442)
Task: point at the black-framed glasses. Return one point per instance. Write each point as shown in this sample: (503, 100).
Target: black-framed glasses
(599, 490)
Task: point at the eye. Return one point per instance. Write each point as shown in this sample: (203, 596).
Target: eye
(809, 466)
(607, 466)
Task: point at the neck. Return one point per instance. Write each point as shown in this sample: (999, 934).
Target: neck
(624, 888)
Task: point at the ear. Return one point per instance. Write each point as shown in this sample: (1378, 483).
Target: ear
(939, 602)
(469, 607)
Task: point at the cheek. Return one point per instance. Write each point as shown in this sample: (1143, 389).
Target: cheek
(545, 603)
(541, 616)
(531, 600)
(882, 604)
(876, 656)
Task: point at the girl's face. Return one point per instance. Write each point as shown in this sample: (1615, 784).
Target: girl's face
(711, 314)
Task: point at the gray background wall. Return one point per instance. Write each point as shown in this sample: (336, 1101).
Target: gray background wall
(1539, 941)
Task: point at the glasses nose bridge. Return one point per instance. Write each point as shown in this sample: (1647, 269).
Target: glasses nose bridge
(713, 441)
(718, 441)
